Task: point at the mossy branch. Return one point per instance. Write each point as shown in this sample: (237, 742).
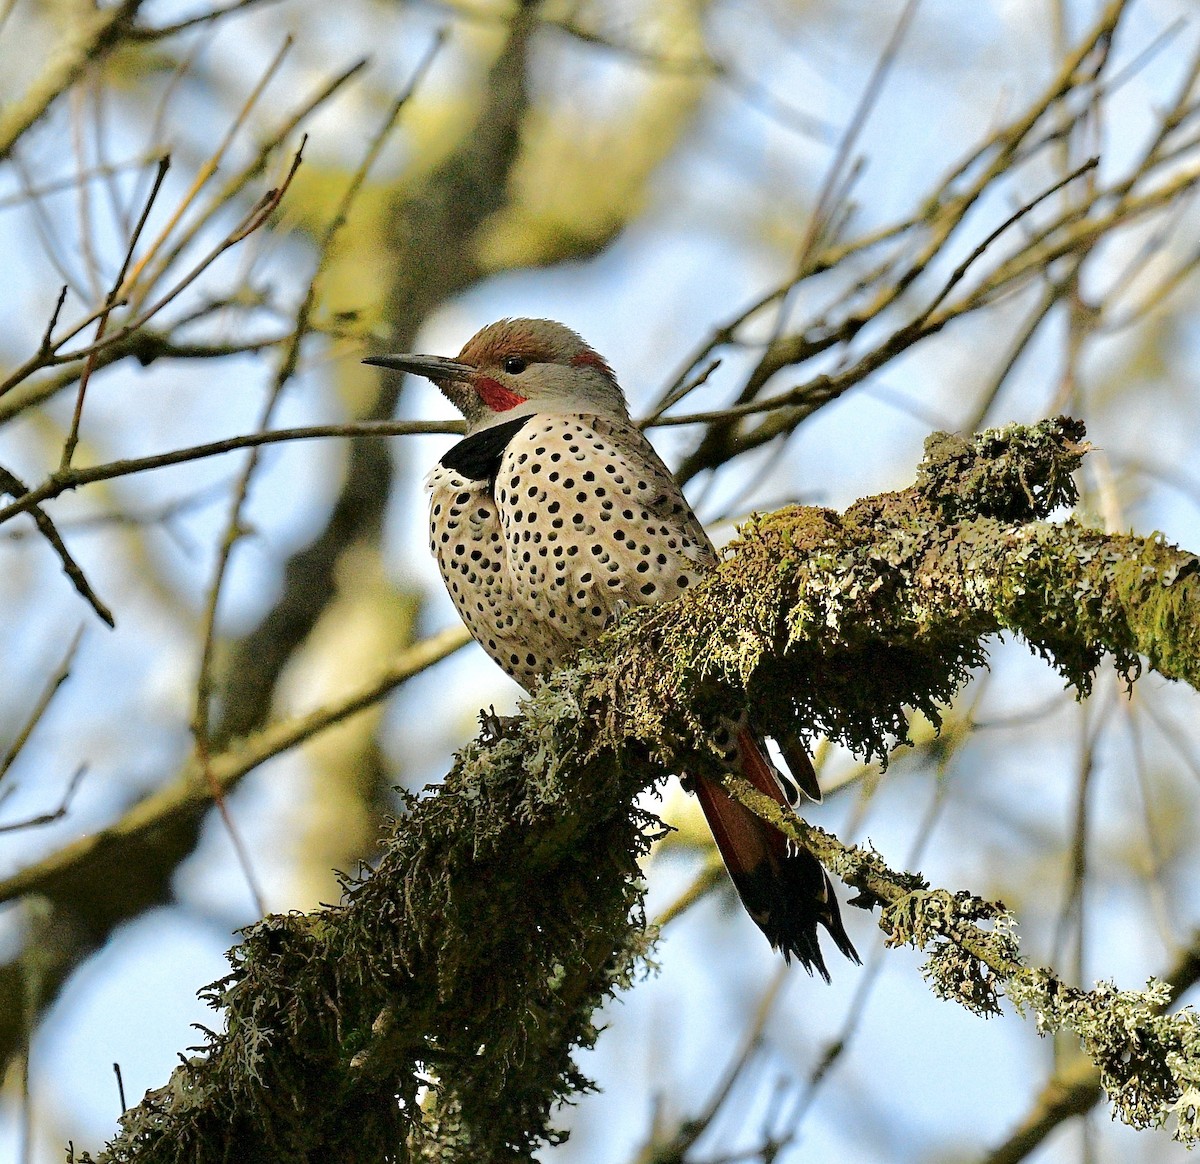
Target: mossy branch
(433, 1013)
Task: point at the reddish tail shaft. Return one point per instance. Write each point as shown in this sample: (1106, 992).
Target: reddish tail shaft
(783, 887)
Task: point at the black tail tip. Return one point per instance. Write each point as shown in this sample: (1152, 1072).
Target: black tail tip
(804, 945)
(789, 904)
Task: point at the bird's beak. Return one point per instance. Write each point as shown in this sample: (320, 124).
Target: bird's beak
(435, 368)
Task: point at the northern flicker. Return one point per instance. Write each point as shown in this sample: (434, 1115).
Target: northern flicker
(552, 516)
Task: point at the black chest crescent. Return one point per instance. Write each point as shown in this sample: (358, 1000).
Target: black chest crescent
(477, 457)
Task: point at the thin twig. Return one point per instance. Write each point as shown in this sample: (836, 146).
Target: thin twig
(288, 363)
(72, 441)
(190, 792)
(40, 707)
(233, 187)
(15, 488)
(826, 201)
(59, 185)
(162, 31)
(208, 168)
(45, 818)
(59, 483)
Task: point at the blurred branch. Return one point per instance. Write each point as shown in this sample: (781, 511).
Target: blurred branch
(289, 361)
(433, 230)
(94, 34)
(66, 871)
(671, 1146)
(40, 707)
(161, 32)
(88, 887)
(711, 877)
(836, 183)
(24, 499)
(172, 240)
(45, 818)
(954, 737)
(59, 185)
(141, 517)
(443, 964)
(1145, 1059)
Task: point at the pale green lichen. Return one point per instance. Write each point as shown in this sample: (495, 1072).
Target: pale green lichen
(1149, 1061)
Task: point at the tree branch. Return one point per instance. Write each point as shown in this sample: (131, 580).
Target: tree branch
(93, 37)
(462, 973)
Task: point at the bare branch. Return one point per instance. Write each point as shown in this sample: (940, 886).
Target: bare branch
(15, 488)
(161, 32)
(109, 303)
(60, 676)
(190, 793)
(59, 483)
(45, 818)
(91, 38)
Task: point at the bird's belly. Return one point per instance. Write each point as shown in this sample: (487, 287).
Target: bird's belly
(467, 541)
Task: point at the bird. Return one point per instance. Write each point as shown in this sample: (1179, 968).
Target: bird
(551, 517)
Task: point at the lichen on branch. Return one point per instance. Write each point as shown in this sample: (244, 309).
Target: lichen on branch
(434, 1012)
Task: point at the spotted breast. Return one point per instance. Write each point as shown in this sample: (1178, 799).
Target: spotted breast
(571, 519)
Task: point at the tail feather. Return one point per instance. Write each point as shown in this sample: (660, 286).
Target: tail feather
(783, 887)
(800, 766)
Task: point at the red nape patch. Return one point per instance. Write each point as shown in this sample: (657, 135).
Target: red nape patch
(495, 395)
(590, 359)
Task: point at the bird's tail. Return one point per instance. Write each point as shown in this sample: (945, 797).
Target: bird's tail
(782, 886)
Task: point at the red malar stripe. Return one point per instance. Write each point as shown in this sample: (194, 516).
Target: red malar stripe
(495, 395)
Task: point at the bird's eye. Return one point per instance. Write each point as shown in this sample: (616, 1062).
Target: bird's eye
(514, 365)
